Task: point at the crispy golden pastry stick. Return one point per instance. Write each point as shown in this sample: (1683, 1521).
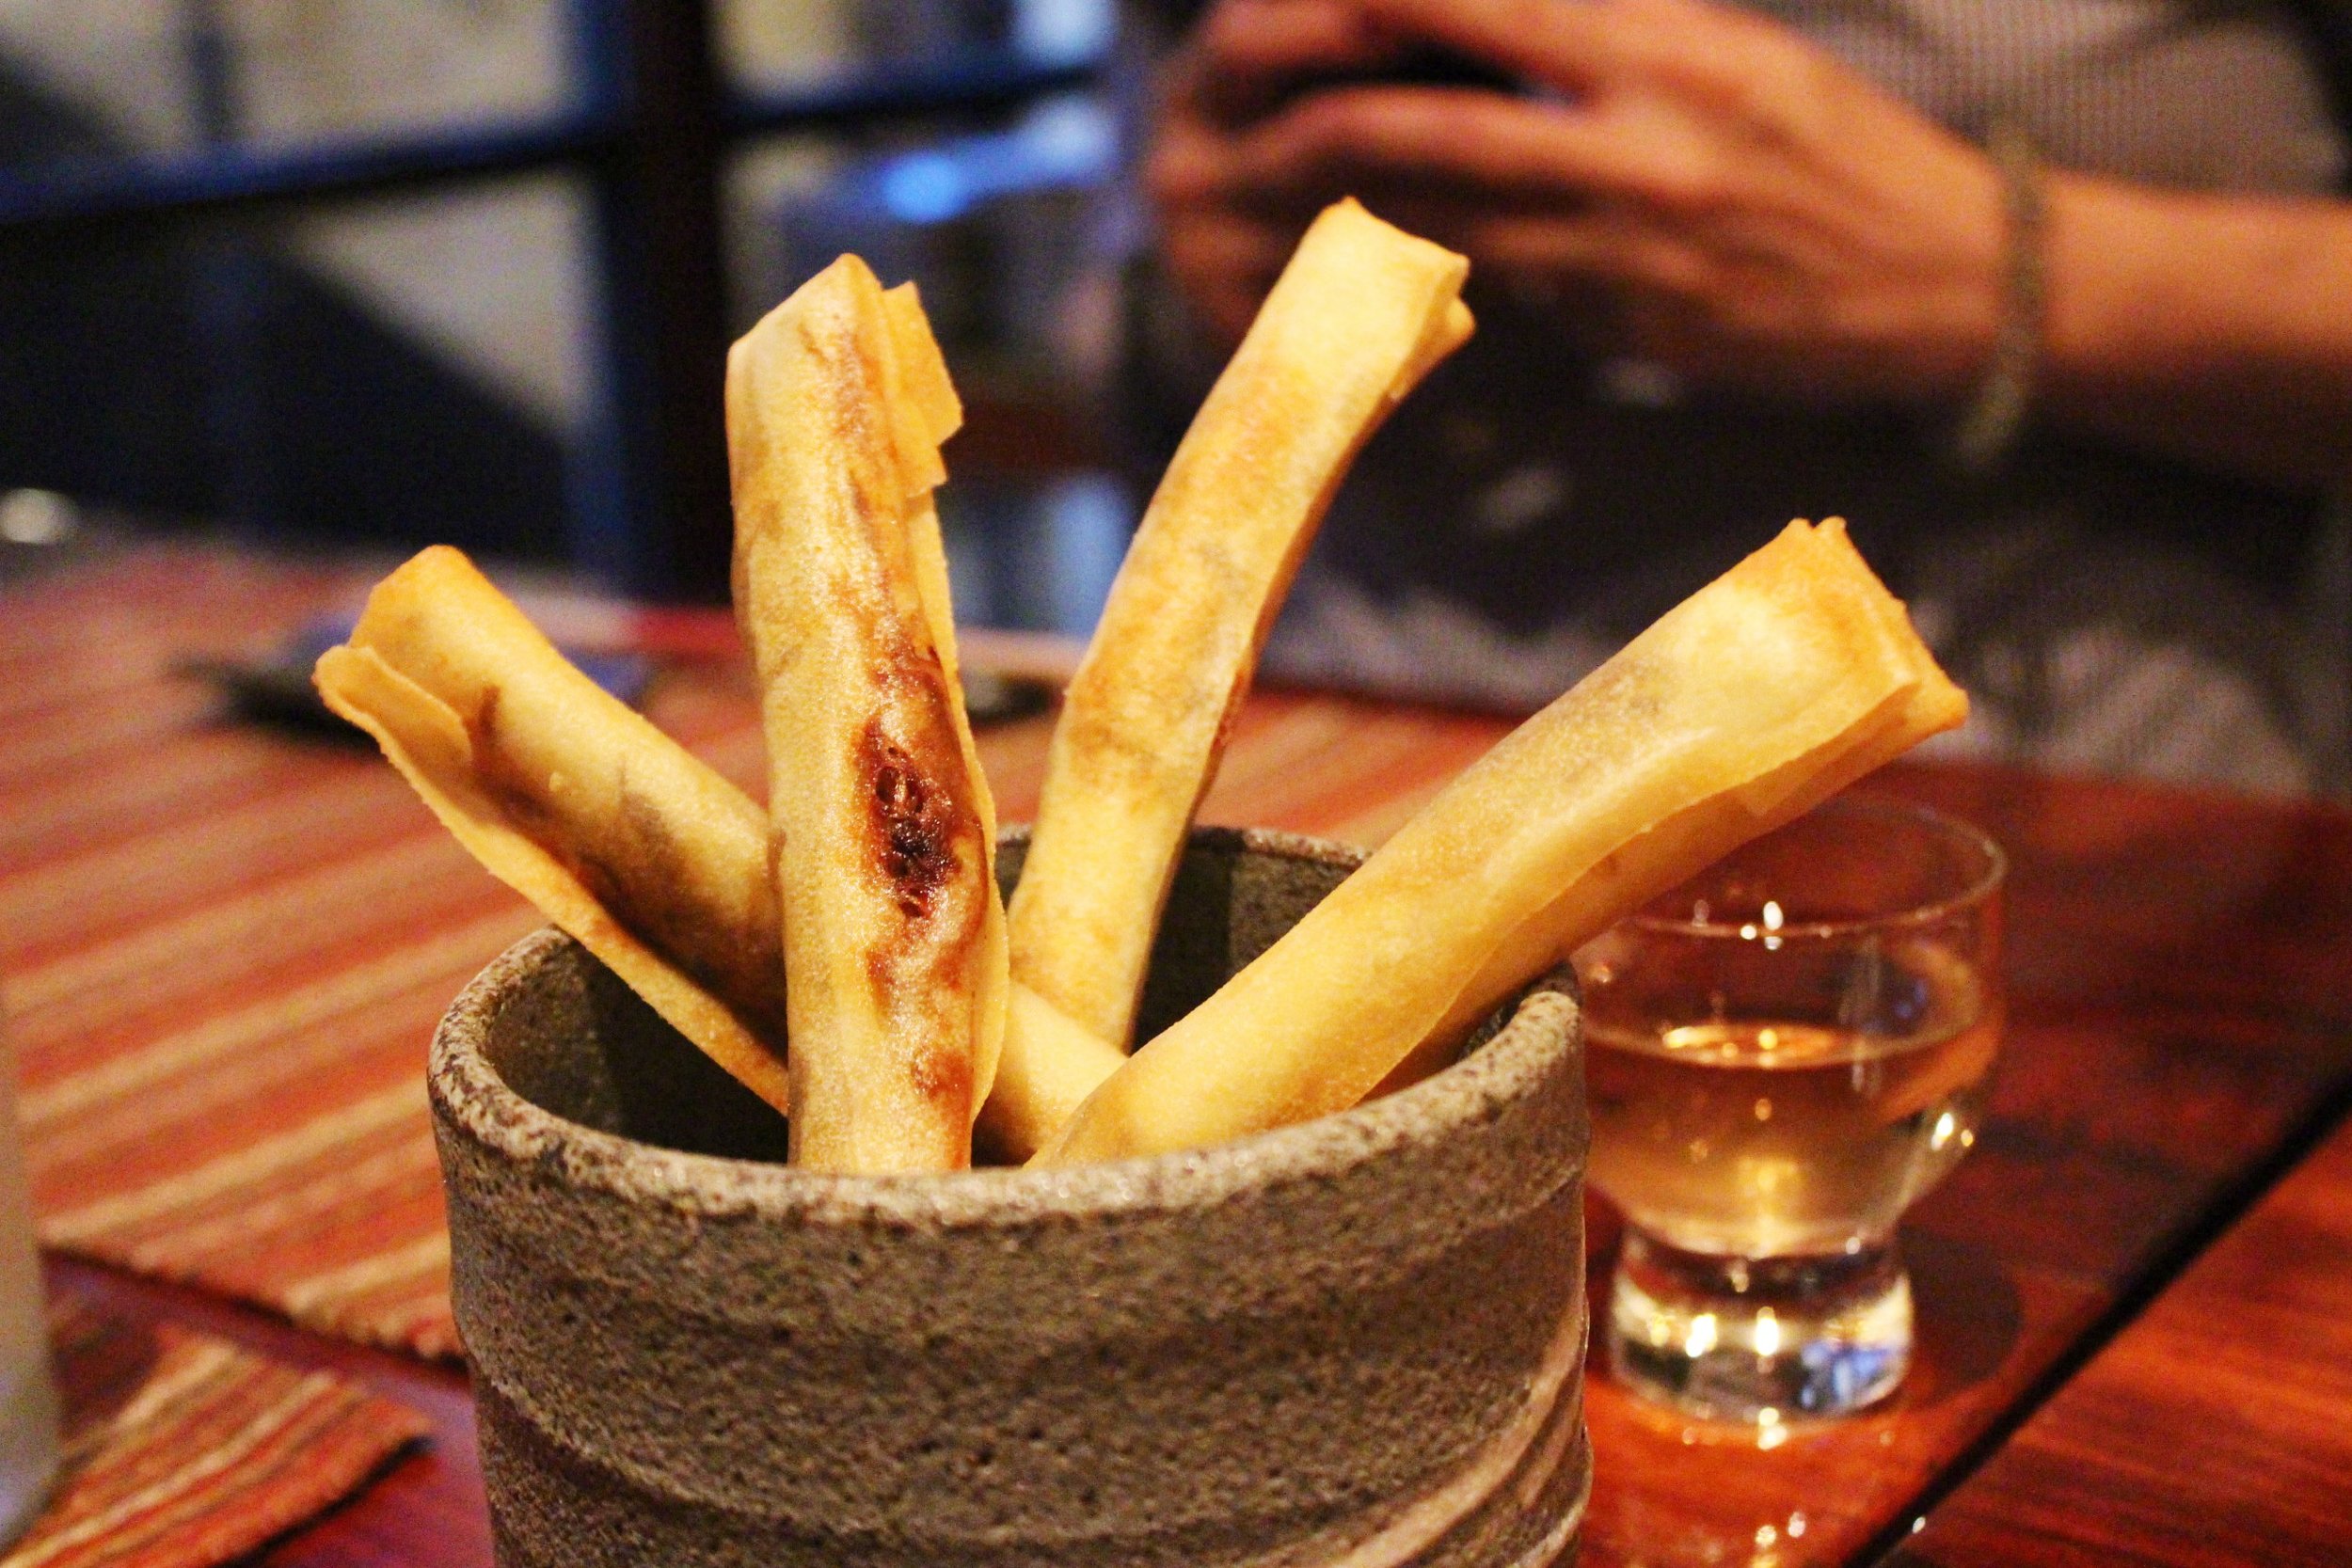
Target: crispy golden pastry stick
(1786, 678)
(894, 939)
(621, 836)
(1362, 311)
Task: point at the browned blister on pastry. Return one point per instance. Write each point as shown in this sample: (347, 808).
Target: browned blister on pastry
(893, 938)
(1359, 315)
(620, 835)
(1781, 682)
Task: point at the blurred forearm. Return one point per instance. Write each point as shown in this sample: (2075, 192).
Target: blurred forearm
(2216, 328)
(1704, 189)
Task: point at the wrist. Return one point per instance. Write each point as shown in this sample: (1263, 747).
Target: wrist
(2151, 287)
(2107, 296)
(2208, 327)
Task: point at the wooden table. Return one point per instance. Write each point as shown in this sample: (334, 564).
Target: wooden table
(2136, 1293)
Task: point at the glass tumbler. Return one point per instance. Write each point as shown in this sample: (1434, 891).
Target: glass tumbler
(1782, 1054)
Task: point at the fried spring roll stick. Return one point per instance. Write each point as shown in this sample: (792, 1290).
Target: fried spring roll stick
(652, 861)
(894, 941)
(1362, 313)
(1771, 689)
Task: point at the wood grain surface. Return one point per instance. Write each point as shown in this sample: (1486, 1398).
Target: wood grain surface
(2215, 1430)
(2181, 968)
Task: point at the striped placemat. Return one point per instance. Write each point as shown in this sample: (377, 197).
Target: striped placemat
(183, 1450)
(223, 948)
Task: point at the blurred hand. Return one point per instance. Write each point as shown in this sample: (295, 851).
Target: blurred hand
(1694, 185)
(1224, 234)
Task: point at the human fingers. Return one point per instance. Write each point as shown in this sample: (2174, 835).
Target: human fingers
(1592, 247)
(1570, 45)
(1222, 243)
(1226, 263)
(1196, 164)
(1331, 143)
(1250, 55)
(1629, 285)
(1614, 279)
(1594, 46)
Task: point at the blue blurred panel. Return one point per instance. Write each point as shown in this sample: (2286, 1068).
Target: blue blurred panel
(769, 43)
(1010, 233)
(1003, 231)
(1038, 555)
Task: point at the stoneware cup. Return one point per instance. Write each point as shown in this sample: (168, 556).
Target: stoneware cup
(1358, 1342)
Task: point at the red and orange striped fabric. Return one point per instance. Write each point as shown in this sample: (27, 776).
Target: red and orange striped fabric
(183, 1450)
(223, 947)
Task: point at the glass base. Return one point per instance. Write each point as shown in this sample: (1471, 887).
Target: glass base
(1762, 1341)
(28, 1449)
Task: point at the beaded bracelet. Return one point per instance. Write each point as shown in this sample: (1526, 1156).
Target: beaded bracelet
(1994, 416)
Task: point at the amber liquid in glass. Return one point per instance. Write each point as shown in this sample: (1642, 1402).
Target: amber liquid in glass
(1789, 1136)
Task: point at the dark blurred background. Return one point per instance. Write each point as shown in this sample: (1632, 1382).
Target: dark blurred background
(384, 271)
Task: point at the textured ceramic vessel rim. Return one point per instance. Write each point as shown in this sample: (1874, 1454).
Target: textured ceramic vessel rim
(469, 1091)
